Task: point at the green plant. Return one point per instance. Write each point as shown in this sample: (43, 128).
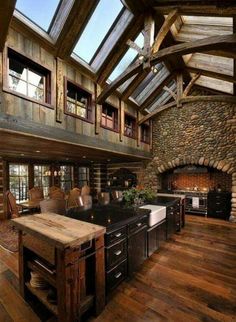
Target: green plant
(142, 194)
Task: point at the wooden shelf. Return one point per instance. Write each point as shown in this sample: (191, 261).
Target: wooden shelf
(42, 297)
(49, 276)
(86, 303)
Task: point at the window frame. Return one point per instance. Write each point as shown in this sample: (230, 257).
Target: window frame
(116, 110)
(134, 136)
(41, 177)
(87, 174)
(65, 181)
(91, 101)
(142, 139)
(34, 66)
(18, 164)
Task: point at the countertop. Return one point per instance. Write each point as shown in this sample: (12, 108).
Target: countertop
(182, 196)
(57, 230)
(164, 200)
(111, 216)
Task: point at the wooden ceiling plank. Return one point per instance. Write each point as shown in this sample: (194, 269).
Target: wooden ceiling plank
(6, 13)
(212, 74)
(73, 27)
(172, 16)
(180, 49)
(190, 84)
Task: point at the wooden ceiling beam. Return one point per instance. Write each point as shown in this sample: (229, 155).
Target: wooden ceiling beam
(151, 98)
(212, 74)
(138, 6)
(216, 42)
(154, 113)
(234, 75)
(200, 8)
(134, 84)
(73, 27)
(163, 31)
(190, 84)
(6, 13)
(173, 94)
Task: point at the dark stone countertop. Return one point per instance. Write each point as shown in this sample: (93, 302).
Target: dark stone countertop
(111, 216)
(163, 201)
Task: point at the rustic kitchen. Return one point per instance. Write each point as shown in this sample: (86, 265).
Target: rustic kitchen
(117, 160)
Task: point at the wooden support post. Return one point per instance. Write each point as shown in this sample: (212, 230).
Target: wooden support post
(138, 129)
(122, 119)
(97, 110)
(179, 89)
(100, 275)
(60, 91)
(149, 29)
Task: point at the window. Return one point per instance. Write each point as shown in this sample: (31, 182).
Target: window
(78, 101)
(109, 117)
(66, 177)
(145, 133)
(130, 126)
(42, 176)
(27, 78)
(96, 29)
(19, 181)
(83, 173)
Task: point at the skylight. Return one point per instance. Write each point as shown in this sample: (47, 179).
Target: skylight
(127, 58)
(96, 29)
(40, 12)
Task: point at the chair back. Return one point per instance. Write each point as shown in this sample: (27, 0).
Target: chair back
(87, 202)
(57, 206)
(104, 198)
(36, 193)
(117, 195)
(53, 188)
(12, 206)
(85, 190)
(73, 198)
(57, 194)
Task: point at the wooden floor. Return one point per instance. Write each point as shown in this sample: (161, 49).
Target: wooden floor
(192, 278)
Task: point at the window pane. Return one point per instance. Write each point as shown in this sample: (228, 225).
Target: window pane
(35, 79)
(18, 181)
(97, 28)
(17, 69)
(35, 92)
(41, 11)
(17, 85)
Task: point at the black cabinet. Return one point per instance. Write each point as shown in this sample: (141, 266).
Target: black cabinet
(219, 205)
(173, 219)
(155, 236)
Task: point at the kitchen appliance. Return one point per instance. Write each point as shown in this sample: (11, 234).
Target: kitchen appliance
(196, 201)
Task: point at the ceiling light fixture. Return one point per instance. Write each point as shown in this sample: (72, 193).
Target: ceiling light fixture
(154, 69)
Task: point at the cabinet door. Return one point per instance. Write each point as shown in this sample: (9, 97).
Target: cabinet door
(137, 250)
(152, 240)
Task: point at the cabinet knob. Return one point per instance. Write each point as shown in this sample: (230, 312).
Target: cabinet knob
(139, 224)
(118, 252)
(118, 235)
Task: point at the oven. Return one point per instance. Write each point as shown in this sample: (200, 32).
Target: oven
(196, 203)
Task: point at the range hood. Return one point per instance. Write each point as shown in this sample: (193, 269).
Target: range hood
(191, 169)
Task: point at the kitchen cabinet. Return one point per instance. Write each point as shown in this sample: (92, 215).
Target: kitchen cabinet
(156, 235)
(173, 220)
(219, 205)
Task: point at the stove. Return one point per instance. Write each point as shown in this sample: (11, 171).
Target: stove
(196, 201)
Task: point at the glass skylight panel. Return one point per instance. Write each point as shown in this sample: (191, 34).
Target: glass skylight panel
(96, 29)
(40, 12)
(127, 58)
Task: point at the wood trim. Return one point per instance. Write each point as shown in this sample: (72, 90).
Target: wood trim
(180, 49)
(122, 118)
(97, 112)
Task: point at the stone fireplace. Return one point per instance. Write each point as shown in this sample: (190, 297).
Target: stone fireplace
(199, 133)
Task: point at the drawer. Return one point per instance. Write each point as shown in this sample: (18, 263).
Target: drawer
(137, 225)
(115, 254)
(115, 236)
(115, 276)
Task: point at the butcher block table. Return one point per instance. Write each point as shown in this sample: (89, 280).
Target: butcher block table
(69, 255)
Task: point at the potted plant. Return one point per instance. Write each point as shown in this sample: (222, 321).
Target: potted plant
(138, 195)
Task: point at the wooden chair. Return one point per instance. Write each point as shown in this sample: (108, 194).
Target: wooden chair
(117, 195)
(74, 198)
(14, 209)
(36, 193)
(57, 194)
(87, 202)
(57, 206)
(52, 189)
(85, 191)
(103, 198)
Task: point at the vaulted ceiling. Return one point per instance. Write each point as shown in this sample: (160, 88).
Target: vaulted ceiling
(136, 47)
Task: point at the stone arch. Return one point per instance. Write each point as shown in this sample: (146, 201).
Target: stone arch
(223, 165)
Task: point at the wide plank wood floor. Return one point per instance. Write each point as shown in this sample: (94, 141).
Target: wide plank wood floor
(191, 278)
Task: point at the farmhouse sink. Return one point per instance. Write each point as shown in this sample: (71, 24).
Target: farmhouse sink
(158, 213)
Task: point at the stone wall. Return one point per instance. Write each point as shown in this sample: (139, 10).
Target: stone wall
(201, 133)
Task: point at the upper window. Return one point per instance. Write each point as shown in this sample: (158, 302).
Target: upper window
(130, 126)
(109, 117)
(96, 29)
(78, 101)
(40, 12)
(28, 78)
(145, 133)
